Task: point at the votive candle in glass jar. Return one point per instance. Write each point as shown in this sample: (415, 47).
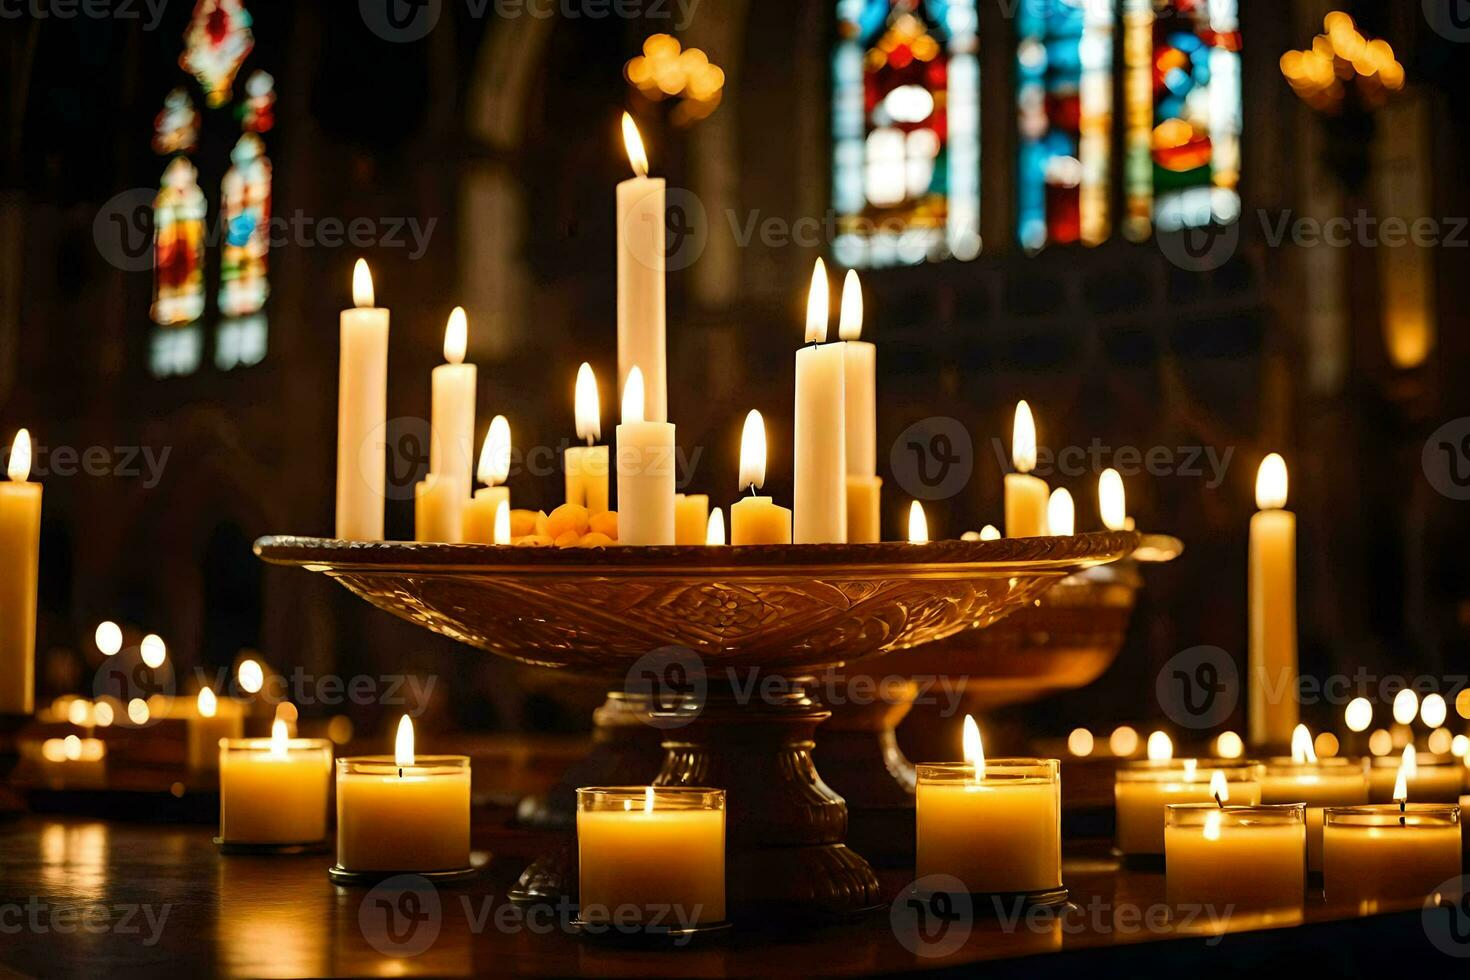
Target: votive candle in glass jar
(273, 791)
(1250, 857)
(1142, 789)
(995, 826)
(651, 856)
(1328, 782)
(1436, 779)
(413, 817)
(1389, 852)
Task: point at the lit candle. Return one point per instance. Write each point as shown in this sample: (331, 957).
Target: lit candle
(753, 519)
(1061, 513)
(653, 855)
(212, 721)
(494, 467)
(918, 524)
(586, 466)
(645, 472)
(1317, 783)
(996, 825)
(715, 531)
(73, 762)
(1393, 852)
(274, 790)
(404, 813)
(20, 554)
(820, 505)
(1247, 857)
(1111, 503)
(641, 261)
(1143, 789)
(1432, 778)
(452, 425)
(1273, 660)
(691, 518)
(362, 414)
(1026, 495)
(860, 388)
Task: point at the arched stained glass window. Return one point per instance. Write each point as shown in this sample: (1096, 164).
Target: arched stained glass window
(1184, 113)
(1064, 97)
(906, 131)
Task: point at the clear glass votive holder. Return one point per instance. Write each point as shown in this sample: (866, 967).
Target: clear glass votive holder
(1437, 779)
(652, 858)
(1336, 781)
(1248, 857)
(1142, 789)
(1388, 852)
(273, 797)
(394, 819)
(996, 830)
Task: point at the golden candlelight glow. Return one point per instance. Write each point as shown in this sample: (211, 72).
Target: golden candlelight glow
(1459, 746)
(1326, 745)
(1358, 715)
(588, 405)
(918, 524)
(1111, 501)
(714, 532)
(973, 746)
(280, 739)
(403, 744)
(103, 714)
(502, 523)
(153, 650)
(753, 452)
(850, 323)
(818, 305)
(1462, 704)
(138, 712)
(1271, 483)
(1433, 711)
(648, 799)
(990, 533)
(1405, 707)
(1160, 747)
(456, 336)
(79, 712)
(1380, 742)
(208, 704)
(362, 286)
(633, 142)
(1440, 741)
(1302, 749)
(1061, 513)
(109, 638)
(1081, 743)
(19, 466)
(633, 396)
(1229, 746)
(1219, 788)
(1023, 439)
(1123, 742)
(494, 464)
(251, 676)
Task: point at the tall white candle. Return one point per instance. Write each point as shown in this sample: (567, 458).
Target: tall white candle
(362, 412)
(645, 472)
(641, 262)
(1273, 658)
(20, 553)
(452, 446)
(860, 388)
(820, 504)
(1026, 495)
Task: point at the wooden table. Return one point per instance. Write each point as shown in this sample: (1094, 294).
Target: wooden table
(90, 898)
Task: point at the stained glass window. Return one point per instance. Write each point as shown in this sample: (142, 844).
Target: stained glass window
(906, 131)
(178, 246)
(216, 44)
(1184, 113)
(245, 199)
(1064, 95)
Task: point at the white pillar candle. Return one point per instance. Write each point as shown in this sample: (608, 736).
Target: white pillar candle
(452, 425)
(362, 414)
(1273, 712)
(645, 472)
(860, 388)
(20, 555)
(1026, 495)
(641, 261)
(820, 504)
(586, 466)
(274, 790)
(494, 467)
(1245, 857)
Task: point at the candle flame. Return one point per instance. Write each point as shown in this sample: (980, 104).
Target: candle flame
(456, 336)
(1111, 501)
(502, 523)
(1408, 769)
(817, 305)
(362, 286)
(1023, 439)
(633, 142)
(1219, 788)
(990, 533)
(153, 650)
(208, 704)
(648, 799)
(753, 452)
(109, 638)
(1410, 761)
(1271, 483)
(1358, 715)
(19, 467)
(714, 532)
(850, 323)
(974, 747)
(1302, 750)
(494, 464)
(403, 744)
(279, 738)
(1160, 747)
(633, 396)
(1061, 513)
(918, 524)
(588, 405)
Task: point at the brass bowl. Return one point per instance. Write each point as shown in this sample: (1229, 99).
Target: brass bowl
(784, 609)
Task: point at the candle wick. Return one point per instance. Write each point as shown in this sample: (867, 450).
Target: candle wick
(589, 442)
(1218, 802)
(751, 488)
(400, 772)
(1403, 808)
